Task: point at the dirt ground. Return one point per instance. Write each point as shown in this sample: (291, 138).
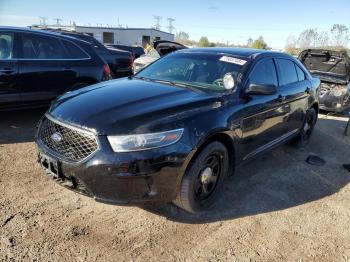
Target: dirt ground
(275, 208)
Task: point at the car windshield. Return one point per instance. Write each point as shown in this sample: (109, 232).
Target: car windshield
(199, 70)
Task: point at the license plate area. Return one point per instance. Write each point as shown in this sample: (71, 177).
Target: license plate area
(51, 165)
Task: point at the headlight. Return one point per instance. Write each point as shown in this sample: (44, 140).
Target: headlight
(129, 143)
(337, 92)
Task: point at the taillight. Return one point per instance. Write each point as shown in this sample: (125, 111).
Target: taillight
(131, 61)
(106, 69)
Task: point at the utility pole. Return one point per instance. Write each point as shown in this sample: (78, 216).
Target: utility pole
(158, 19)
(170, 26)
(58, 20)
(43, 20)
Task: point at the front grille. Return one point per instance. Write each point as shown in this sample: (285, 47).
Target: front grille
(68, 143)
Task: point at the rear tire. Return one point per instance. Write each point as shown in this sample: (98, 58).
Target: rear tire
(203, 178)
(307, 129)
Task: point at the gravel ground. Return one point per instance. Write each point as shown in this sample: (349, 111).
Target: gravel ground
(275, 208)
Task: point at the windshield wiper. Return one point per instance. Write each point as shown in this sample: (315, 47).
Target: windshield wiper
(175, 84)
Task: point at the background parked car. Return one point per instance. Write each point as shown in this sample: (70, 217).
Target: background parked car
(161, 48)
(37, 66)
(136, 51)
(333, 69)
(119, 61)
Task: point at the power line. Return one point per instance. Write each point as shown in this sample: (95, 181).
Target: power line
(158, 19)
(58, 20)
(170, 26)
(43, 20)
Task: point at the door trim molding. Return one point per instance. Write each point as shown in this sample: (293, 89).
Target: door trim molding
(271, 144)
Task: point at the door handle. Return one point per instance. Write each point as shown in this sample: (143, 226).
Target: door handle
(7, 71)
(281, 98)
(67, 69)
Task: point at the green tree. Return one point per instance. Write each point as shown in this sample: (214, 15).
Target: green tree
(203, 42)
(259, 43)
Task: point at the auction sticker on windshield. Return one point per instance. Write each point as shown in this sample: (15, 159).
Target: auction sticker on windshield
(232, 60)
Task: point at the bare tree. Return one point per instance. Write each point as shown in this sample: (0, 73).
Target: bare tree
(250, 42)
(322, 39)
(340, 35)
(182, 37)
(307, 38)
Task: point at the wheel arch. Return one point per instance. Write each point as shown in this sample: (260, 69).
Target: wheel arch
(316, 107)
(222, 137)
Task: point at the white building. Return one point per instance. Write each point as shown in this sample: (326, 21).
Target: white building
(124, 36)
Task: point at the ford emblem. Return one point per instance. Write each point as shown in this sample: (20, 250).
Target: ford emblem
(57, 137)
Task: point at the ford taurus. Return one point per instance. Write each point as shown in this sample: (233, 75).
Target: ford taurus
(178, 128)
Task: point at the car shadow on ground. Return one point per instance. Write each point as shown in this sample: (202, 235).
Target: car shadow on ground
(278, 180)
(19, 126)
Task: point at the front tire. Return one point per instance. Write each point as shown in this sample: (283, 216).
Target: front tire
(203, 178)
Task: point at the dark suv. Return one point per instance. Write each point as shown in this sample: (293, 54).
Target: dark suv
(174, 131)
(136, 51)
(119, 61)
(37, 66)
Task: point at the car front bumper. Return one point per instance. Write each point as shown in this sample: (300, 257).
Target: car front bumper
(121, 178)
(335, 103)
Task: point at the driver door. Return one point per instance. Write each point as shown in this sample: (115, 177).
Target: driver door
(263, 124)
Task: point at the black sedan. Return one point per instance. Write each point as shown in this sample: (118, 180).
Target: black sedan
(174, 131)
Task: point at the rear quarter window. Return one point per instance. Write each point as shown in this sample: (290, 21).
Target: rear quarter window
(288, 72)
(300, 73)
(74, 51)
(6, 45)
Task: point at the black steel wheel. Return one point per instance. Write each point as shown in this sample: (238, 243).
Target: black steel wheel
(203, 178)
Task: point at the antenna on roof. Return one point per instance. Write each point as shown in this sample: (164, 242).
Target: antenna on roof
(158, 19)
(170, 26)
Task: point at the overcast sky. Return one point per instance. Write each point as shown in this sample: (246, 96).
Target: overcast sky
(221, 20)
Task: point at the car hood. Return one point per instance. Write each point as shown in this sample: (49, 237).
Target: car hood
(128, 105)
(328, 65)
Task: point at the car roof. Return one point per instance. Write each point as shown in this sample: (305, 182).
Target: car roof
(242, 52)
(38, 31)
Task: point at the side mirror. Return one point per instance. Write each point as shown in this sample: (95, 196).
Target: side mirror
(261, 89)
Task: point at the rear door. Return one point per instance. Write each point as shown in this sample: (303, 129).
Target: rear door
(45, 69)
(293, 92)
(9, 92)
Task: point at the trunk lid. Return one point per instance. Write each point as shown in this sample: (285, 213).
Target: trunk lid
(328, 65)
(164, 47)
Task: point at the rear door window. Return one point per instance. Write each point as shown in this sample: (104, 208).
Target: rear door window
(41, 47)
(74, 51)
(6, 45)
(288, 72)
(264, 73)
